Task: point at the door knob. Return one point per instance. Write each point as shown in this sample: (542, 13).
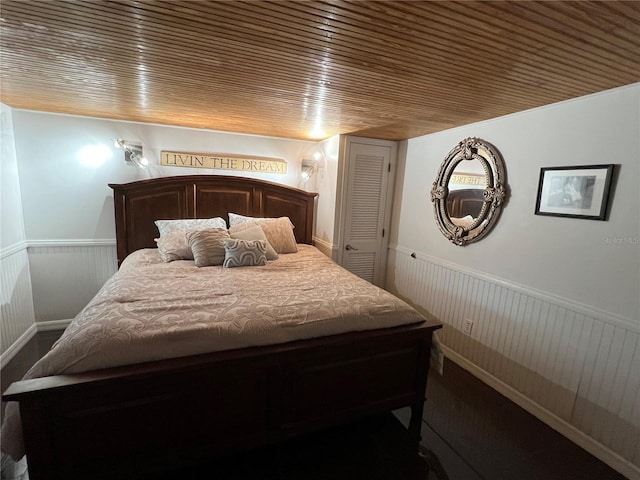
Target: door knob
(349, 247)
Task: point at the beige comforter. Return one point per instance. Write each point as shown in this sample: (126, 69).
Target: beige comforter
(150, 310)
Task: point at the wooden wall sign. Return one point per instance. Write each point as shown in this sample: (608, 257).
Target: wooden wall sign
(223, 162)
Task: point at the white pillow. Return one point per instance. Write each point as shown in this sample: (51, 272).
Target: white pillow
(235, 219)
(463, 221)
(168, 226)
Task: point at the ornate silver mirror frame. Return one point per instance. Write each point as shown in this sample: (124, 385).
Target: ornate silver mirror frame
(489, 192)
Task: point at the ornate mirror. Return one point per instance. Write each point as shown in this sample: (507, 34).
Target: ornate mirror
(469, 192)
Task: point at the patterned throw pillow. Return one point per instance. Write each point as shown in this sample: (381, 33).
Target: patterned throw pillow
(279, 232)
(235, 219)
(174, 246)
(168, 226)
(255, 233)
(244, 253)
(208, 246)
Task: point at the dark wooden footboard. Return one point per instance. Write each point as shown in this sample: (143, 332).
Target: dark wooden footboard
(140, 420)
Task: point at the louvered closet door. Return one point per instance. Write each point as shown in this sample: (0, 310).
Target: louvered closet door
(367, 192)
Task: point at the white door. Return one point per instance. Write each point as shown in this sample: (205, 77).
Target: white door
(368, 185)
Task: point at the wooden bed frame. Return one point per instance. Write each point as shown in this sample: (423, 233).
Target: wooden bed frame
(142, 420)
(139, 204)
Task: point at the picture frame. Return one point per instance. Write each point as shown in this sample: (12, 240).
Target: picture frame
(574, 191)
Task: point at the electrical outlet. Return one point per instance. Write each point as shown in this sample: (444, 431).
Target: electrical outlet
(467, 326)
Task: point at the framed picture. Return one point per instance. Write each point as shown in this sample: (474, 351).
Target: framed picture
(578, 192)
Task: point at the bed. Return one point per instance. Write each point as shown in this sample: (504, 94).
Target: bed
(157, 404)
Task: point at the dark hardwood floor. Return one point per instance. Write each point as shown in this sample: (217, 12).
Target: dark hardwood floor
(467, 422)
(469, 431)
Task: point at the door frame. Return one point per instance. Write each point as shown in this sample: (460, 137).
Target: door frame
(341, 195)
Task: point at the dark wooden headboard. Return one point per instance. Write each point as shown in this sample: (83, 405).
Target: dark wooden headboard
(139, 204)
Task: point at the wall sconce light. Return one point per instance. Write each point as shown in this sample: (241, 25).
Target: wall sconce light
(311, 165)
(132, 153)
(306, 172)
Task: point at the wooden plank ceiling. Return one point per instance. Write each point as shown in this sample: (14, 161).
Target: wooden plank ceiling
(303, 70)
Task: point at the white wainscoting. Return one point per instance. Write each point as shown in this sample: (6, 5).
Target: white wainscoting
(17, 314)
(66, 274)
(576, 368)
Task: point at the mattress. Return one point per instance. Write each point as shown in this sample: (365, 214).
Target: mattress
(152, 310)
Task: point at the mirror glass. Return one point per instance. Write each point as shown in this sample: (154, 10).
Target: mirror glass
(469, 191)
(466, 188)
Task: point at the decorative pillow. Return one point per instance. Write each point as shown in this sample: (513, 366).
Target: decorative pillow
(278, 231)
(235, 219)
(168, 226)
(244, 253)
(254, 233)
(174, 246)
(208, 246)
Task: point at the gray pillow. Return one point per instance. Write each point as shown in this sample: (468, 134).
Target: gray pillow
(255, 233)
(244, 253)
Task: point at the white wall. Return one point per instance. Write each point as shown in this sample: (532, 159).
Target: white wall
(16, 313)
(68, 206)
(591, 262)
(65, 199)
(11, 221)
(326, 184)
(555, 301)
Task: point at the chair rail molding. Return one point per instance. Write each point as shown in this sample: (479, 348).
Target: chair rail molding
(602, 315)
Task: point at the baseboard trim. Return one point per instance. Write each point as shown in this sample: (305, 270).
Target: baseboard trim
(325, 247)
(16, 346)
(52, 325)
(615, 461)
